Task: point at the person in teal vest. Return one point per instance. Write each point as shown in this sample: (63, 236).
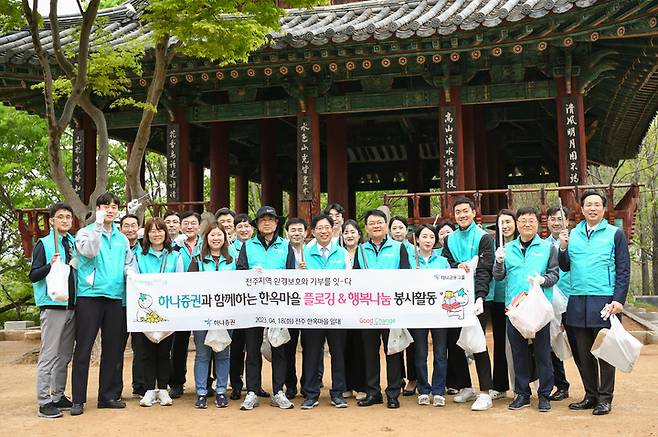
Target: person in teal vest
(399, 229)
(557, 221)
(188, 244)
(104, 256)
(156, 256)
(265, 251)
(215, 256)
(324, 255)
(519, 261)
(495, 308)
(380, 252)
(173, 224)
(57, 317)
(596, 254)
(425, 257)
(465, 243)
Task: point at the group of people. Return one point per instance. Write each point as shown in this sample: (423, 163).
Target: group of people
(588, 264)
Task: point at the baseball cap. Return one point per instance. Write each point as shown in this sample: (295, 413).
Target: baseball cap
(266, 210)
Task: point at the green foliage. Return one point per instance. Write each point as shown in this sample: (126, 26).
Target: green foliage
(11, 15)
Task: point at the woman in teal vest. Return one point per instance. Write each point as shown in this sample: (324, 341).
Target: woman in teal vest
(214, 256)
(425, 257)
(399, 228)
(156, 256)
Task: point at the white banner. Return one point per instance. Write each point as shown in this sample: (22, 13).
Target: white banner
(300, 299)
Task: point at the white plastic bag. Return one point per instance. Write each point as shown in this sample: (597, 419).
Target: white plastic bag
(265, 347)
(217, 339)
(157, 336)
(559, 342)
(532, 313)
(57, 281)
(398, 340)
(472, 339)
(616, 346)
(559, 302)
(278, 336)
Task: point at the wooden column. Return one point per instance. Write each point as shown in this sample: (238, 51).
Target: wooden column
(337, 189)
(482, 157)
(89, 156)
(269, 179)
(468, 136)
(292, 203)
(183, 178)
(415, 179)
(196, 183)
(241, 201)
(351, 202)
(220, 185)
(308, 173)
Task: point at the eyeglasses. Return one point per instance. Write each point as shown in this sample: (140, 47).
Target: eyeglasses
(527, 222)
(323, 228)
(189, 224)
(130, 226)
(378, 223)
(63, 217)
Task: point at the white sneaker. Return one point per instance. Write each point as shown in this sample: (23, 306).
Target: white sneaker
(280, 400)
(495, 394)
(360, 395)
(348, 394)
(424, 400)
(439, 401)
(150, 397)
(464, 395)
(250, 401)
(164, 397)
(483, 402)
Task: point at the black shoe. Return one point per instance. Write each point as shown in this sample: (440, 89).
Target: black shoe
(235, 395)
(201, 402)
(262, 393)
(410, 392)
(544, 404)
(114, 404)
(602, 408)
(370, 400)
(77, 409)
(139, 393)
(64, 403)
(392, 403)
(585, 404)
(559, 395)
(49, 411)
(291, 394)
(519, 402)
(176, 391)
(451, 391)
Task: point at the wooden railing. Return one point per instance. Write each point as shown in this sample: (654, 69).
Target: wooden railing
(625, 209)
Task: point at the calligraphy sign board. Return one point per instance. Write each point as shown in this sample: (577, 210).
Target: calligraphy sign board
(304, 159)
(78, 164)
(173, 162)
(569, 106)
(448, 136)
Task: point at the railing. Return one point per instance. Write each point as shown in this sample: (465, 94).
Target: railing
(34, 223)
(625, 209)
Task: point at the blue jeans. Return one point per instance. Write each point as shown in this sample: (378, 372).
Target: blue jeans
(440, 341)
(202, 362)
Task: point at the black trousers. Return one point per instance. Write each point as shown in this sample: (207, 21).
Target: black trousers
(236, 367)
(156, 359)
(137, 368)
(457, 376)
(482, 363)
(409, 371)
(291, 360)
(180, 345)
(372, 340)
(597, 375)
(313, 340)
(253, 338)
(279, 368)
(496, 313)
(355, 371)
(92, 314)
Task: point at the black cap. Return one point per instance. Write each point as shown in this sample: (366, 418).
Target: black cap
(266, 210)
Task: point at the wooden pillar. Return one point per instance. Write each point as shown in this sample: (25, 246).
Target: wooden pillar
(241, 201)
(292, 203)
(269, 179)
(184, 179)
(89, 154)
(220, 184)
(337, 161)
(196, 182)
(415, 180)
(468, 162)
(351, 202)
(482, 157)
(308, 173)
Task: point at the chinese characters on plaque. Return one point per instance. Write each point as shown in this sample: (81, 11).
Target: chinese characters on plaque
(448, 148)
(78, 165)
(570, 110)
(173, 162)
(304, 159)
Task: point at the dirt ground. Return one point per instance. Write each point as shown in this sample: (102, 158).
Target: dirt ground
(635, 411)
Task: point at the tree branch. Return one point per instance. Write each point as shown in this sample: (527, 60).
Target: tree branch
(64, 63)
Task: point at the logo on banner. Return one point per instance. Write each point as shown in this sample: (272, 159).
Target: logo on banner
(454, 303)
(145, 313)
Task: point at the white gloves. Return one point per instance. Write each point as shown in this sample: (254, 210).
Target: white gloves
(479, 306)
(140, 233)
(133, 206)
(180, 239)
(539, 279)
(500, 255)
(100, 217)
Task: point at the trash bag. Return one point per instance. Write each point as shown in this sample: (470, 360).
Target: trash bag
(157, 336)
(217, 339)
(617, 346)
(57, 281)
(559, 302)
(532, 313)
(266, 347)
(472, 339)
(398, 340)
(278, 336)
(559, 342)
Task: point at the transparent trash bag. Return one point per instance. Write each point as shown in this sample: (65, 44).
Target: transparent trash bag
(617, 346)
(57, 281)
(398, 340)
(217, 339)
(472, 339)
